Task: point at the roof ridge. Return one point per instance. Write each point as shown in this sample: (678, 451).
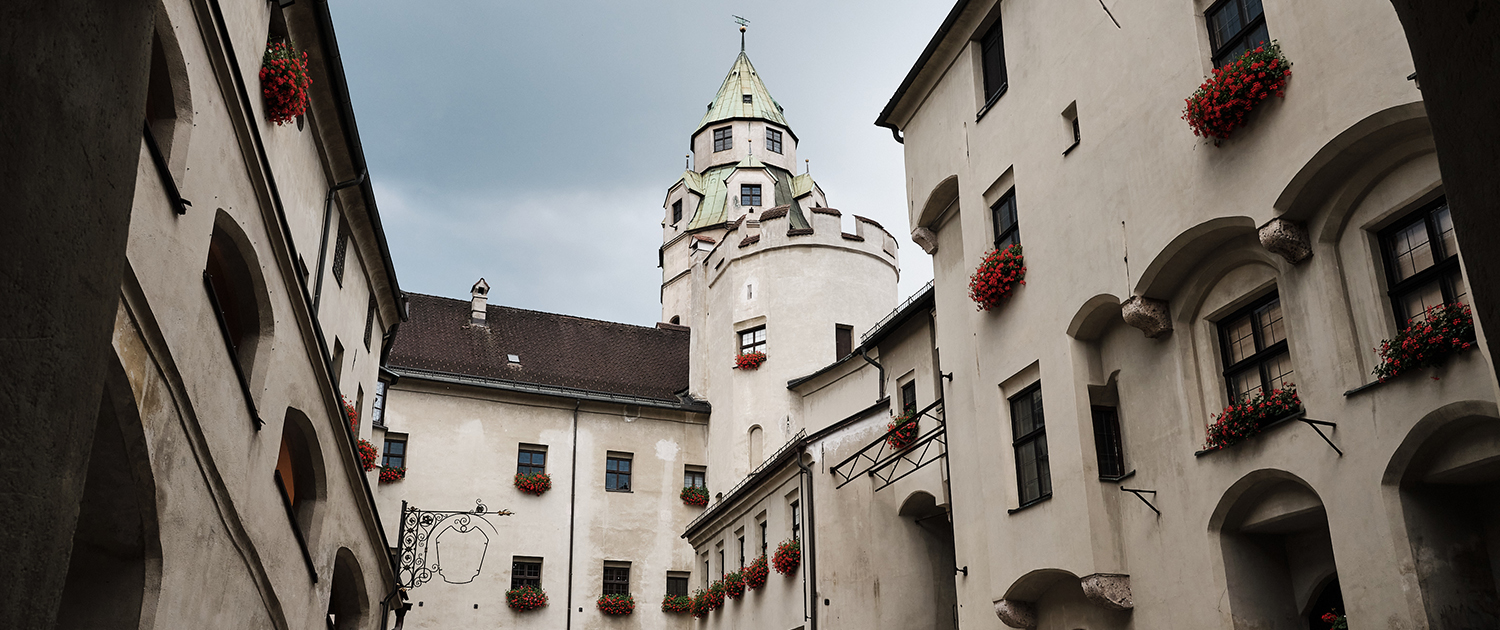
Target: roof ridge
(528, 310)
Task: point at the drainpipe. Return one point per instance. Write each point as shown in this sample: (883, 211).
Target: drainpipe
(572, 510)
(812, 541)
(878, 366)
(323, 244)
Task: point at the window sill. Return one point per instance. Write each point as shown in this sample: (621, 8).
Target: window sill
(620, 491)
(991, 102)
(1284, 420)
(1071, 147)
(1039, 500)
(1108, 479)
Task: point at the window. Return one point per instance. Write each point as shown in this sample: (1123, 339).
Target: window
(764, 542)
(340, 251)
(705, 570)
(750, 194)
(377, 408)
(745, 98)
(677, 584)
(742, 551)
(1107, 443)
(676, 211)
(616, 578)
(723, 139)
(338, 361)
(369, 322)
(394, 453)
(694, 477)
(1235, 26)
(909, 397)
(753, 340)
(1029, 431)
(531, 460)
(617, 473)
(721, 563)
(773, 140)
(1007, 230)
(1255, 350)
(525, 572)
(796, 520)
(843, 341)
(1421, 262)
(992, 56)
(231, 288)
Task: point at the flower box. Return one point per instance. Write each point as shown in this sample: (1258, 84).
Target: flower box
(997, 277)
(390, 474)
(1224, 100)
(901, 431)
(534, 483)
(1427, 341)
(695, 496)
(677, 603)
(734, 585)
(368, 454)
(616, 604)
(749, 360)
(715, 595)
(284, 82)
(788, 556)
(525, 598)
(1247, 417)
(700, 604)
(755, 574)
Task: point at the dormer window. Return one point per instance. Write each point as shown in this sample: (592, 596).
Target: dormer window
(750, 194)
(676, 211)
(723, 139)
(773, 140)
(745, 98)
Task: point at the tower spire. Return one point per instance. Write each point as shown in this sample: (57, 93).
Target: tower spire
(743, 23)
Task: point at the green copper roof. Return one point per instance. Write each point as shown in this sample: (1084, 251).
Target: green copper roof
(730, 102)
(714, 209)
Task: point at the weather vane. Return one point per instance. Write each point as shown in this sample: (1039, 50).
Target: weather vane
(743, 23)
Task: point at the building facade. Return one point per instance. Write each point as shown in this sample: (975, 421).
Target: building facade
(1168, 277)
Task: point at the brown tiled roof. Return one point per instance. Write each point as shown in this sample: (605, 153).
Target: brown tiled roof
(801, 232)
(774, 213)
(831, 211)
(750, 240)
(852, 237)
(706, 239)
(870, 221)
(555, 350)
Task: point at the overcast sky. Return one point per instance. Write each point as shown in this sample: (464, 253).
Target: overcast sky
(532, 143)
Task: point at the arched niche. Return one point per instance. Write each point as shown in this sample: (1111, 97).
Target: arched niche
(169, 102)
(240, 289)
(1058, 599)
(1447, 477)
(934, 532)
(1094, 317)
(1181, 257)
(755, 441)
(939, 199)
(300, 469)
(348, 598)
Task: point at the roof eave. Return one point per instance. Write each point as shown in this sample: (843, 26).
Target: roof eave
(922, 60)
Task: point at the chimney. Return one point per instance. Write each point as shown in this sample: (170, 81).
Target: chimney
(477, 308)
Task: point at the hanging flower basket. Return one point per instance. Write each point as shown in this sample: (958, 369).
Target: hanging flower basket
(997, 276)
(715, 596)
(525, 598)
(676, 603)
(700, 604)
(695, 496)
(368, 455)
(1247, 417)
(1441, 330)
(749, 360)
(905, 427)
(1224, 100)
(390, 474)
(616, 604)
(351, 415)
(734, 585)
(788, 556)
(1335, 621)
(534, 483)
(755, 574)
(284, 82)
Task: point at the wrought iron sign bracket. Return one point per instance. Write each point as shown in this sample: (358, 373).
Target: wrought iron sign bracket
(1315, 423)
(420, 530)
(1139, 495)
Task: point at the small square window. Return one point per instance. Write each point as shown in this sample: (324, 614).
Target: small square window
(753, 340)
(773, 140)
(745, 98)
(617, 473)
(394, 454)
(750, 194)
(616, 578)
(695, 477)
(677, 584)
(723, 139)
(531, 460)
(525, 572)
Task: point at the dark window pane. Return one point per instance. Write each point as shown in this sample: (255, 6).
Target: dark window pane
(1003, 214)
(677, 211)
(525, 573)
(617, 474)
(616, 580)
(909, 397)
(1107, 442)
(992, 55)
(677, 586)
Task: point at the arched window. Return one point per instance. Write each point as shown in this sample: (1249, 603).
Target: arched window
(347, 599)
(298, 476)
(235, 284)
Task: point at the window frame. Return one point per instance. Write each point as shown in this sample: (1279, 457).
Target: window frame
(753, 345)
(843, 340)
(1037, 435)
(677, 579)
(615, 579)
(723, 139)
(1012, 232)
(516, 563)
(1109, 443)
(385, 453)
(676, 212)
(750, 195)
(529, 453)
(796, 514)
(1247, 27)
(1263, 354)
(773, 140)
(909, 397)
(689, 471)
(614, 475)
(993, 38)
(1440, 272)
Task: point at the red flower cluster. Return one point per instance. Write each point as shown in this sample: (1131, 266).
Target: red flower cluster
(1427, 341)
(1245, 418)
(749, 360)
(525, 598)
(534, 483)
(700, 604)
(351, 415)
(676, 603)
(1335, 621)
(905, 431)
(755, 574)
(788, 556)
(284, 82)
(734, 584)
(715, 596)
(392, 473)
(695, 495)
(1223, 101)
(616, 604)
(996, 277)
(368, 455)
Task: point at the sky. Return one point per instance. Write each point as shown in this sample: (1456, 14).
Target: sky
(532, 143)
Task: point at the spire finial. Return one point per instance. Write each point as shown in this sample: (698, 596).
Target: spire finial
(743, 23)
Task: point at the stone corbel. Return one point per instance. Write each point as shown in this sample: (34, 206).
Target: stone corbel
(925, 238)
(1110, 591)
(1016, 614)
(1151, 316)
(1286, 238)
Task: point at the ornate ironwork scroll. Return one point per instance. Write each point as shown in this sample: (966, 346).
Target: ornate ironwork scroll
(421, 549)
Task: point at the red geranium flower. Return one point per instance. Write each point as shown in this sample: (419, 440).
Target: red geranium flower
(788, 556)
(284, 82)
(1224, 100)
(997, 275)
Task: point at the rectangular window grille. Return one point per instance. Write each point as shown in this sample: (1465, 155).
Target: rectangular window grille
(750, 194)
(340, 252)
(753, 340)
(531, 461)
(796, 520)
(1107, 443)
(677, 585)
(992, 56)
(1254, 344)
(773, 140)
(617, 473)
(1421, 262)
(1007, 230)
(723, 139)
(694, 477)
(525, 572)
(1235, 26)
(617, 578)
(1029, 431)
(369, 322)
(394, 453)
(843, 340)
(909, 397)
(676, 211)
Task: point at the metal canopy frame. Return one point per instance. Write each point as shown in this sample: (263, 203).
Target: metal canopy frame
(879, 461)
